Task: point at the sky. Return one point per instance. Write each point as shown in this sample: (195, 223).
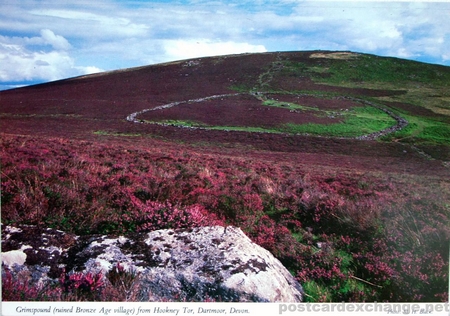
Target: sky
(47, 40)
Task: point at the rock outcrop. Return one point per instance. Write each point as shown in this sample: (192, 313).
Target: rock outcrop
(197, 264)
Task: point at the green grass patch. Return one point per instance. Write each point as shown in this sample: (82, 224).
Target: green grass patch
(254, 129)
(438, 133)
(316, 292)
(350, 286)
(422, 131)
(347, 260)
(184, 123)
(357, 122)
(369, 68)
(288, 105)
(424, 84)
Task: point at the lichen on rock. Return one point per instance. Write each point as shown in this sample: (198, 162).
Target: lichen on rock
(203, 263)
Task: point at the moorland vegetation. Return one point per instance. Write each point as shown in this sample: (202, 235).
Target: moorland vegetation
(276, 144)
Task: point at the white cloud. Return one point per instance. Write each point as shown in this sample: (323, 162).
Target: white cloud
(404, 53)
(92, 24)
(183, 49)
(20, 63)
(57, 41)
(401, 29)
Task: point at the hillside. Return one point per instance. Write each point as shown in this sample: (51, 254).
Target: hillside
(336, 162)
(339, 95)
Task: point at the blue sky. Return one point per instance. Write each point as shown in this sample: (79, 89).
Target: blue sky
(46, 40)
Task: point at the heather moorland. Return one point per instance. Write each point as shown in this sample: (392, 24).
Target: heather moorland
(336, 162)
